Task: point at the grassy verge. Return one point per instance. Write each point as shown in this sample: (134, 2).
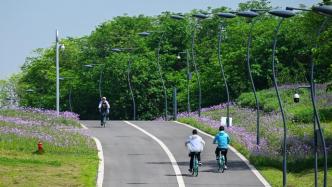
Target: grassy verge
(69, 157)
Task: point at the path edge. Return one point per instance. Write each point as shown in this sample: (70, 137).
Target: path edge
(100, 173)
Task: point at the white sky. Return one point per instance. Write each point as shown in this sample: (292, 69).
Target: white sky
(30, 24)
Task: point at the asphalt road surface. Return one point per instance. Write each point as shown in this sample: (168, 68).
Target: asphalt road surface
(134, 158)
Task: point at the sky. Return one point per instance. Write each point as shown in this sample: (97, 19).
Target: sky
(30, 24)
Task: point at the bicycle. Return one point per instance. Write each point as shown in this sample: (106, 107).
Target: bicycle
(221, 162)
(195, 165)
(103, 119)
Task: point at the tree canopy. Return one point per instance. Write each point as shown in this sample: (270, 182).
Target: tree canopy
(297, 44)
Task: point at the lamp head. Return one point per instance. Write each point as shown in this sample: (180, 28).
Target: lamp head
(248, 14)
(325, 9)
(226, 15)
(62, 47)
(296, 98)
(144, 34)
(116, 50)
(178, 17)
(88, 65)
(178, 57)
(282, 13)
(200, 16)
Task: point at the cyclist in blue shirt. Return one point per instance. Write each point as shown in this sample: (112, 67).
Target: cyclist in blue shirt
(222, 139)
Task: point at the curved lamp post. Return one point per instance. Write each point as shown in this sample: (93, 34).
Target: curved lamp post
(70, 91)
(128, 77)
(100, 76)
(221, 27)
(325, 10)
(188, 78)
(250, 15)
(145, 34)
(283, 14)
(57, 47)
(198, 16)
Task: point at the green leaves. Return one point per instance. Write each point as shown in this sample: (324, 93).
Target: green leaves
(109, 70)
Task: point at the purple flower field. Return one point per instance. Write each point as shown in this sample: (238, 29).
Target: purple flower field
(27, 124)
(243, 131)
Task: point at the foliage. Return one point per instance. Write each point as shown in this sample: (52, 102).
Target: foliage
(301, 111)
(296, 48)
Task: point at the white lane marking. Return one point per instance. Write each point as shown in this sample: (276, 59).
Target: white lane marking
(244, 159)
(168, 152)
(100, 174)
(83, 126)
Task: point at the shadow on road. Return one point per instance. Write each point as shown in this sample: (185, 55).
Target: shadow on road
(211, 165)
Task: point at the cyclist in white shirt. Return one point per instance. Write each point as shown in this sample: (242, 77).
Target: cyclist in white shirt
(195, 145)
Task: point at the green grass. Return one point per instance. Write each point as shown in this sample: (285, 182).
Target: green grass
(19, 169)
(71, 163)
(304, 178)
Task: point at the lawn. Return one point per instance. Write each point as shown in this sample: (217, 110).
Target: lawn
(69, 156)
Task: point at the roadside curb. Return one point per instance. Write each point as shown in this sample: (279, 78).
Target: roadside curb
(100, 173)
(244, 159)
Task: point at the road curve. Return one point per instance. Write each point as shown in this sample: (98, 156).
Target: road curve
(132, 158)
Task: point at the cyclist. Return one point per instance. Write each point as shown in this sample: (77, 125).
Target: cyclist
(104, 108)
(222, 139)
(195, 145)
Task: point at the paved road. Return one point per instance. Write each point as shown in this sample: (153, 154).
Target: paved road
(132, 158)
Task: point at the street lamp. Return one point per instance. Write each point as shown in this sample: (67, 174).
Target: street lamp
(188, 78)
(324, 9)
(70, 92)
(221, 28)
(100, 75)
(198, 16)
(327, 11)
(128, 76)
(145, 34)
(250, 15)
(283, 14)
(57, 46)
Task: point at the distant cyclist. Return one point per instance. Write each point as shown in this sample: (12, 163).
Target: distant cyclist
(222, 139)
(104, 108)
(195, 145)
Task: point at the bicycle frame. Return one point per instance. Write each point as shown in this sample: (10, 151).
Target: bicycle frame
(195, 165)
(103, 118)
(221, 162)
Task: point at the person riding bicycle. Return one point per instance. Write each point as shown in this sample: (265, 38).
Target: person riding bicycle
(222, 139)
(195, 145)
(103, 107)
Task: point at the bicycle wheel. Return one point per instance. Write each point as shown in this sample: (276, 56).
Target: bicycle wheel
(104, 120)
(219, 162)
(195, 166)
(222, 163)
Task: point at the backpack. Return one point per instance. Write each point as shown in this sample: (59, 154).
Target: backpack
(104, 106)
